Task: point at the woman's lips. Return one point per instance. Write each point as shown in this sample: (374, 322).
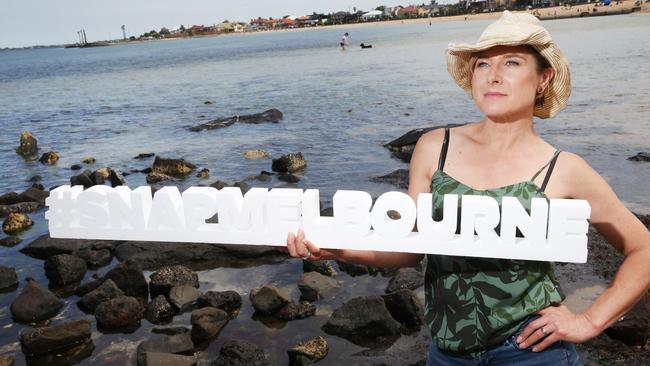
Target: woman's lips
(494, 94)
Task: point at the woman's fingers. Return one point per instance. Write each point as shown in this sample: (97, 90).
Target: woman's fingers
(291, 245)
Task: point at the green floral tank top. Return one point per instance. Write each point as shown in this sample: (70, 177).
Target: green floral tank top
(474, 303)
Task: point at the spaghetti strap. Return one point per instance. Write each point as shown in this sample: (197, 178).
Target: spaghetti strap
(545, 165)
(443, 150)
(550, 170)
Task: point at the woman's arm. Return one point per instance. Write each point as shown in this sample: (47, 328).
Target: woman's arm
(423, 161)
(626, 233)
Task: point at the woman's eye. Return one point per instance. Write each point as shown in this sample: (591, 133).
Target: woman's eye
(481, 64)
(512, 63)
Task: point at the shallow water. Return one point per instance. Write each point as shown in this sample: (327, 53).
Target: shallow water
(339, 108)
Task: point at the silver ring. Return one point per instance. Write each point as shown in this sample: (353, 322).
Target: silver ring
(307, 256)
(542, 330)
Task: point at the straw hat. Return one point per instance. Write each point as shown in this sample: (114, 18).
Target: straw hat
(515, 29)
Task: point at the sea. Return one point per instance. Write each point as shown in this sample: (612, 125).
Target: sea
(340, 108)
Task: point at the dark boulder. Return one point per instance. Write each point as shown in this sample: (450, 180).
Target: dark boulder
(361, 320)
(268, 299)
(129, 278)
(21, 207)
(353, 269)
(142, 156)
(399, 178)
(10, 241)
(165, 344)
(168, 359)
(94, 258)
(289, 163)
(49, 158)
(35, 304)
(54, 339)
(154, 255)
(65, 269)
(45, 246)
(159, 310)
(153, 178)
(288, 177)
(89, 160)
(642, 156)
(8, 278)
(402, 147)
(183, 296)
(33, 194)
(314, 286)
(405, 307)
(76, 167)
(120, 313)
(106, 291)
(175, 167)
(228, 301)
(84, 179)
(88, 286)
(271, 115)
(292, 311)
(7, 360)
(633, 328)
(235, 352)
(323, 267)
(207, 323)
(203, 173)
(315, 349)
(28, 145)
(406, 278)
(162, 281)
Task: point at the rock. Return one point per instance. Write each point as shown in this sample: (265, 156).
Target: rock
(289, 163)
(168, 359)
(21, 207)
(406, 278)
(54, 339)
(243, 186)
(38, 186)
(84, 179)
(99, 176)
(399, 178)
(7, 360)
(106, 291)
(123, 312)
(219, 184)
(642, 156)
(207, 323)
(164, 344)
(89, 160)
(203, 173)
(144, 156)
(94, 258)
(159, 310)
(45, 246)
(405, 307)
(323, 267)
(65, 269)
(116, 179)
(35, 178)
(288, 177)
(174, 167)
(35, 304)
(362, 319)
(49, 158)
(170, 330)
(183, 296)
(16, 222)
(129, 278)
(292, 311)
(153, 255)
(353, 269)
(28, 145)
(235, 352)
(228, 301)
(314, 286)
(268, 299)
(10, 198)
(10, 241)
(207, 102)
(402, 147)
(255, 154)
(88, 286)
(158, 177)
(8, 278)
(411, 350)
(162, 281)
(75, 167)
(633, 328)
(271, 115)
(33, 194)
(314, 349)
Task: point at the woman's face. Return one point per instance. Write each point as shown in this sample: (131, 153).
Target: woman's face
(505, 81)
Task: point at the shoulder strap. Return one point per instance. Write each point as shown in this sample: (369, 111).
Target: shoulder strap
(443, 150)
(550, 170)
(545, 165)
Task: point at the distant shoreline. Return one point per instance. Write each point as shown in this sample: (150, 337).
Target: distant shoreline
(552, 13)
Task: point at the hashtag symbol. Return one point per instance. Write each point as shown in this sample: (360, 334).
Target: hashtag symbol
(62, 211)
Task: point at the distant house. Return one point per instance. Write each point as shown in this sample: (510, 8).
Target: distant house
(230, 27)
(413, 11)
(373, 14)
(261, 24)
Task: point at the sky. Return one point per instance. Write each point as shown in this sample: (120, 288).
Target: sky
(46, 22)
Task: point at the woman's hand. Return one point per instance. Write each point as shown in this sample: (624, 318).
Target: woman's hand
(556, 323)
(299, 247)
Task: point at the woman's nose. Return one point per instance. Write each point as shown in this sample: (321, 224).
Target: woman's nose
(494, 75)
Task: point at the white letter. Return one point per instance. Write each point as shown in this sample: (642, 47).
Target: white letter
(387, 227)
(93, 208)
(283, 212)
(128, 209)
(352, 213)
(242, 213)
(312, 223)
(167, 211)
(444, 230)
(199, 204)
(480, 213)
(567, 228)
(533, 227)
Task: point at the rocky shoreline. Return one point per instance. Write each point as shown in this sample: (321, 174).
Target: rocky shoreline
(164, 292)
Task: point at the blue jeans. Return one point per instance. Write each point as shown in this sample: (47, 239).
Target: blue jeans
(508, 353)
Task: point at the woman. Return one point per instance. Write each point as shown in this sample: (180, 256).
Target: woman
(496, 311)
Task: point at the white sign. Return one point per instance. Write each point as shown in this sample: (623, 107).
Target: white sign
(552, 232)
